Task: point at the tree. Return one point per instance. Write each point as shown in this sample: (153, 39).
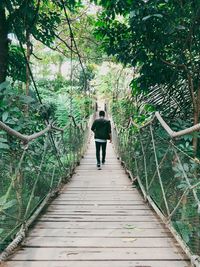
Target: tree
(27, 19)
(3, 44)
(82, 26)
(161, 38)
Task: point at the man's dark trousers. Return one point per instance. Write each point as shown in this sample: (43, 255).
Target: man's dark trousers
(98, 147)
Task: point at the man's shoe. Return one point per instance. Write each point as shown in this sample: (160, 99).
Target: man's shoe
(98, 166)
(103, 162)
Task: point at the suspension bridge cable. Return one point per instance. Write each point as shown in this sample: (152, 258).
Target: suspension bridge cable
(70, 93)
(30, 71)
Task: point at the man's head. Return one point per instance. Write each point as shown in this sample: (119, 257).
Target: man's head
(101, 113)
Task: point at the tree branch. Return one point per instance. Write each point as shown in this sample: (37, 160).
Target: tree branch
(74, 41)
(183, 66)
(189, 78)
(36, 56)
(66, 44)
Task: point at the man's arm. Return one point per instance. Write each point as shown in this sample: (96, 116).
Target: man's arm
(109, 131)
(110, 137)
(93, 126)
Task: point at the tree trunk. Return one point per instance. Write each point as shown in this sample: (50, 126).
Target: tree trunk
(3, 45)
(196, 103)
(196, 121)
(60, 62)
(196, 139)
(28, 56)
(59, 69)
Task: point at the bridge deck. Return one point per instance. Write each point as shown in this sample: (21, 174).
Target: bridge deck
(99, 220)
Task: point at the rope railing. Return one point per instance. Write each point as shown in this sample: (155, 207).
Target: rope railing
(31, 175)
(28, 138)
(167, 128)
(167, 175)
(23, 137)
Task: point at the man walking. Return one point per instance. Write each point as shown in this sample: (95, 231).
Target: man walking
(102, 131)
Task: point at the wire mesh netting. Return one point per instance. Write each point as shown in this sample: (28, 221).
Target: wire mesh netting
(167, 174)
(30, 172)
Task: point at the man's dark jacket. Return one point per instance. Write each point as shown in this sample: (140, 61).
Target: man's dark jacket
(101, 129)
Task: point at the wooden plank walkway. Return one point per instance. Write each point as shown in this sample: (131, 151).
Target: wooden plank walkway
(99, 220)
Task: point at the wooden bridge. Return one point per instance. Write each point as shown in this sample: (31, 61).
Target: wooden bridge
(99, 219)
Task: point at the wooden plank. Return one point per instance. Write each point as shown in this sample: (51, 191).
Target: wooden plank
(113, 178)
(97, 190)
(86, 167)
(91, 208)
(111, 174)
(96, 225)
(103, 232)
(122, 187)
(98, 203)
(101, 219)
(121, 190)
(97, 197)
(101, 242)
(98, 212)
(114, 199)
(99, 254)
(100, 263)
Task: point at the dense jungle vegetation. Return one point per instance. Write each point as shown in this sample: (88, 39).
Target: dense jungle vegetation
(58, 56)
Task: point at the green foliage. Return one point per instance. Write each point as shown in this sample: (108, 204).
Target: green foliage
(158, 38)
(85, 77)
(185, 142)
(4, 204)
(12, 106)
(79, 106)
(50, 86)
(40, 20)
(16, 64)
(184, 229)
(150, 33)
(62, 100)
(124, 109)
(88, 46)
